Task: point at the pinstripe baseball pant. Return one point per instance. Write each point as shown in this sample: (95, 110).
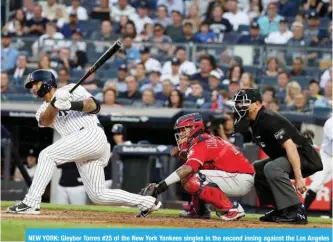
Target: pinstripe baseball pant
(89, 149)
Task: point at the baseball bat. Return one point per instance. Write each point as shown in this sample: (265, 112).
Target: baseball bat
(107, 55)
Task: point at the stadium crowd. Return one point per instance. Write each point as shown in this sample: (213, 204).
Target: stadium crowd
(157, 67)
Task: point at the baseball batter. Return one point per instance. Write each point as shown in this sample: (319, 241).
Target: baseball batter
(83, 141)
(324, 176)
(214, 170)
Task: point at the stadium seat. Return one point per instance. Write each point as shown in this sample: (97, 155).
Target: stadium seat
(302, 80)
(268, 81)
(231, 38)
(190, 104)
(109, 74)
(252, 69)
(124, 101)
(77, 74)
(322, 111)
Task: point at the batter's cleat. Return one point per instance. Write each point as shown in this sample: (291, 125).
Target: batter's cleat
(145, 213)
(295, 216)
(190, 212)
(235, 213)
(22, 208)
(270, 216)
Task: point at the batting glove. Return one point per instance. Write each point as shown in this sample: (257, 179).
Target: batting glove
(62, 105)
(62, 94)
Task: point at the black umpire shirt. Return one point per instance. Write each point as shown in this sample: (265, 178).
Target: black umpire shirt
(270, 130)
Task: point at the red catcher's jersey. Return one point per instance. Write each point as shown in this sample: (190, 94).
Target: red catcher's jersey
(214, 153)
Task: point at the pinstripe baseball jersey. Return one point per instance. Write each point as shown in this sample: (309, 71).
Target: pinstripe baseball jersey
(67, 122)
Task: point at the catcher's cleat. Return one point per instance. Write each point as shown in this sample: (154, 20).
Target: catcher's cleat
(235, 213)
(145, 213)
(190, 212)
(22, 208)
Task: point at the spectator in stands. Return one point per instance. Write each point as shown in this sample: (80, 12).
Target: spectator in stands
(214, 80)
(141, 18)
(300, 18)
(268, 95)
(175, 66)
(110, 97)
(161, 41)
(314, 92)
(273, 67)
(36, 25)
(326, 41)
(205, 35)
(30, 167)
(120, 80)
(176, 99)
(172, 5)
(217, 99)
(287, 8)
(327, 100)
(6, 87)
(129, 29)
(274, 105)
(326, 77)
(145, 34)
(132, 91)
(162, 16)
(253, 38)
(148, 99)
(255, 9)
(18, 18)
(236, 17)
(233, 88)
(293, 89)
(197, 95)
(101, 12)
(282, 36)
(8, 53)
(68, 28)
(61, 18)
(64, 77)
(167, 87)
(297, 40)
(45, 63)
(218, 24)
(281, 90)
(314, 6)
(186, 67)
(91, 83)
(313, 33)
(207, 64)
(298, 67)
(132, 54)
(48, 42)
(175, 29)
(188, 33)
(184, 85)
(77, 43)
(299, 104)
(80, 11)
(193, 16)
(21, 70)
(103, 37)
(149, 62)
(270, 23)
(235, 73)
(49, 8)
(64, 59)
(247, 81)
(154, 82)
(140, 73)
(122, 9)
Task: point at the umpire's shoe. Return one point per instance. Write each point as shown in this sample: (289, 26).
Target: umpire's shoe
(270, 216)
(293, 215)
(145, 213)
(190, 212)
(22, 208)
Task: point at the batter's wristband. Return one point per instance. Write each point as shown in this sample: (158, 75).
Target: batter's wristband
(77, 106)
(53, 101)
(162, 187)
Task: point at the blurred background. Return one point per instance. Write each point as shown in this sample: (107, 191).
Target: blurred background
(179, 56)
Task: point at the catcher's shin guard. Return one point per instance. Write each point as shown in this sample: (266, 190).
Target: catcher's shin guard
(197, 185)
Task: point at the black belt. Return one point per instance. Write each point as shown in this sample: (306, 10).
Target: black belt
(98, 124)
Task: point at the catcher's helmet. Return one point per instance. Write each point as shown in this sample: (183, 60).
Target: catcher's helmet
(242, 100)
(184, 137)
(47, 77)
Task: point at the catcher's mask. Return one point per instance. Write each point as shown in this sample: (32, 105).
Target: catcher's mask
(188, 127)
(242, 101)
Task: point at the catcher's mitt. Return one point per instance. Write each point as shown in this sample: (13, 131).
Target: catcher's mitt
(150, 190)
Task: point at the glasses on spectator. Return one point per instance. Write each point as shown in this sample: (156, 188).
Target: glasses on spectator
(157, 30)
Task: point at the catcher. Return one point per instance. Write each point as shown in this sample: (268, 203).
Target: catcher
(214, 170)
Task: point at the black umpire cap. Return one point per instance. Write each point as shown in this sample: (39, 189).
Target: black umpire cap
(117, 129)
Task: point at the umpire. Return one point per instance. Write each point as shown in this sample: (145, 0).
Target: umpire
(291, 156)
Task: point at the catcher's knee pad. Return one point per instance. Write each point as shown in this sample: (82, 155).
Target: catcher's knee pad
(197, 185)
